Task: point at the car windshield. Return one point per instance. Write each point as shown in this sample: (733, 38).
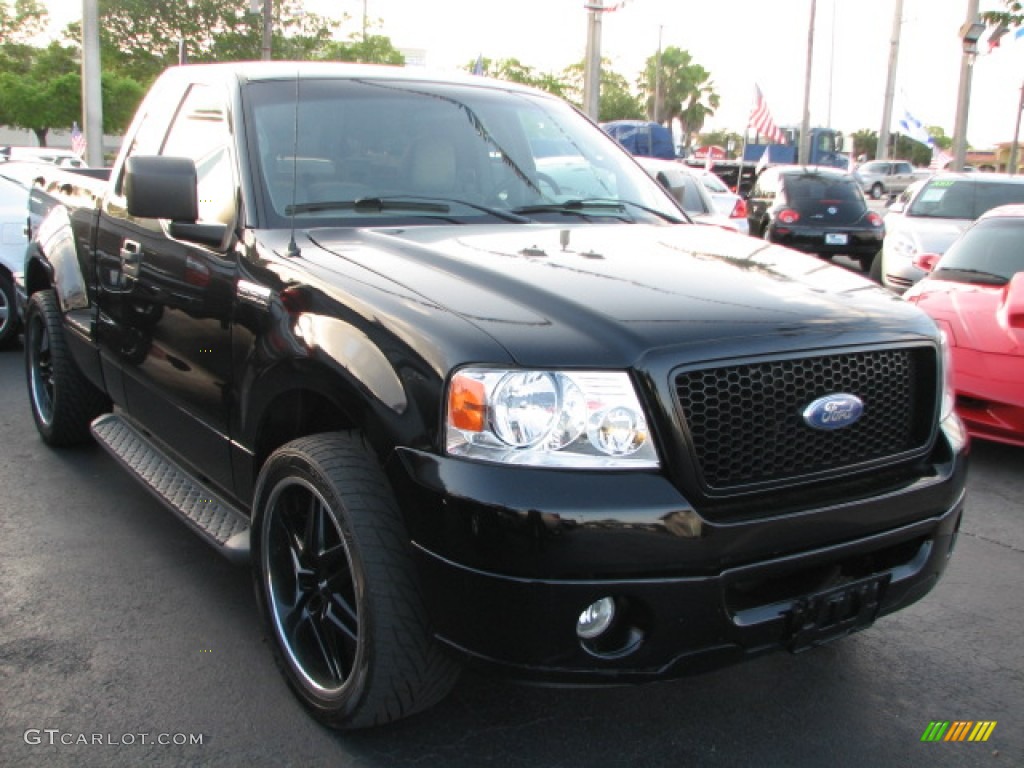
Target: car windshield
(990, 252)
(435, 153)
(963, 198)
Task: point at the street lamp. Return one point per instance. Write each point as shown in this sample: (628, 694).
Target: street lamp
(971, 33)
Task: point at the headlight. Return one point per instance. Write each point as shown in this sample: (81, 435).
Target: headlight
(948, 393)
(903, 248)
(587, 419)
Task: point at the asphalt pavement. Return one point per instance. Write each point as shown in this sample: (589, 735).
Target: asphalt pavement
(120, 630)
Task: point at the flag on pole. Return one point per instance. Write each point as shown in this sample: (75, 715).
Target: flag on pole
(995, 35)
(914, 128)
(761, 119)
(763, 162)
(77, 140)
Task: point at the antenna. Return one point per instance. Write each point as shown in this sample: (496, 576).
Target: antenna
(293, 248)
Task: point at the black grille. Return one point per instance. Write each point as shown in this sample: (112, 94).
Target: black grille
(746, 424)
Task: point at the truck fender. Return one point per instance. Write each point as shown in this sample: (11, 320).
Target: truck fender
(53, 248)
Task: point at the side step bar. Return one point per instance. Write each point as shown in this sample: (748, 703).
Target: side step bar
(220, 523)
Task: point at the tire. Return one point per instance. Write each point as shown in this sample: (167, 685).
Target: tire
(9, 322)
(63, 401)
(875, 271)
(337, 589)
(867, 263)
(876, 191)
(766, 232)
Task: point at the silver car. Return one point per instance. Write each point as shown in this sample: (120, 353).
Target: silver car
(885, 177)
(931, 214)
(683, 183)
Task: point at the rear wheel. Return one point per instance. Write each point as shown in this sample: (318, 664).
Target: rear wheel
(875, 270)
(876, 191)
(63, 401)
(337, 587)
(9, 325)
(867, 263)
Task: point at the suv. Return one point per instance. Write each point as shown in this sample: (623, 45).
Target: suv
(883, 177)
(931, 214)
(815, 210)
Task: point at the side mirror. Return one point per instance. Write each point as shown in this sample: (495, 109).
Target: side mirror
(158, 187)
(1013, 305)
(926, 261)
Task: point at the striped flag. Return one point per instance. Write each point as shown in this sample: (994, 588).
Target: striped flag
(761, 119)
(77, 140)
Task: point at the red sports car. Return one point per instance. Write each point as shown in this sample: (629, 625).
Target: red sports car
(975, 292)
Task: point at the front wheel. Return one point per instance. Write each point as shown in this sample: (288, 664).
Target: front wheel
(337, 588)
(63, 401)
(876, 191)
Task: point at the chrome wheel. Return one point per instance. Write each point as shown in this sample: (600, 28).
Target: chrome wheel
(40, 368)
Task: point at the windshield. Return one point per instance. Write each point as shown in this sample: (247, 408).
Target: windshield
(992, 251)
(380, 152)
(821, 190)
(962, 198)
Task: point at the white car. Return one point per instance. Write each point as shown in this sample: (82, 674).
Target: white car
(684, 184)
(727, 202)
(62, 157)
(13, 219)
(931, 214)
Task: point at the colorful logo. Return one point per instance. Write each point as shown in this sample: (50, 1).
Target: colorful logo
(958, 730)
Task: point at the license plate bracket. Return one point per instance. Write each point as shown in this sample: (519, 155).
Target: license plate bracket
(828, 615)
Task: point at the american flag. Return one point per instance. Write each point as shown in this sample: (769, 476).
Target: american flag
(77, 140)
(761, 119)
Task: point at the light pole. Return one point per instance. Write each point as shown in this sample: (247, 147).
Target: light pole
(592, 62)
(970, 34)
(882, 148)
(92, 93)
(805, 124)
(657, 81)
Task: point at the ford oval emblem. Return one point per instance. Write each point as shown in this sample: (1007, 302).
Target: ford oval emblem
(833, 411)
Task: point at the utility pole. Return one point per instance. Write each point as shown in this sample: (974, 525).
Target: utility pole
(268, 30)
(882, 149)
(657, 81)
(805, 125)
(592, 63)
(963, 98)
(1012, 164)
(92, 93)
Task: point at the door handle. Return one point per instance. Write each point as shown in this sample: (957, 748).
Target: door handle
(130, 253)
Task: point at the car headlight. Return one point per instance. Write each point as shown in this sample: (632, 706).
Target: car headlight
(902, 248)
(948, 393)
(587, 419)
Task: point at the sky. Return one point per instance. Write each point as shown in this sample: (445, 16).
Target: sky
(739, 42)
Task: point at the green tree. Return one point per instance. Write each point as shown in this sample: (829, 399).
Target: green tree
(47, 94)
(865, 142)
(615, 102)
(687, 93)
(21, 20)
(374, 49)
(1012, 17)
(722, 139)
(140, 38)
(515, 71)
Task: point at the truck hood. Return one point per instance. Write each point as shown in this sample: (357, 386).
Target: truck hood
(610, 293)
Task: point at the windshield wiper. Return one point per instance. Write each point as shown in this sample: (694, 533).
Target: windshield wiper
(404, 203)
(986, 277)
(582, 206)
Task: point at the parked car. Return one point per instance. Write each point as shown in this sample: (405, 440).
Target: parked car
(815, 210)
(885, 177)
(13, 216)
(684, 184)
(62, 157)
(727, 202)
(931, 214)
(975, 292)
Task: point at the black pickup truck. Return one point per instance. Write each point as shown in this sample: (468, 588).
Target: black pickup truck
(460, 402)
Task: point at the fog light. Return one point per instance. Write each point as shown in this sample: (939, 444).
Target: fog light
(596, 618)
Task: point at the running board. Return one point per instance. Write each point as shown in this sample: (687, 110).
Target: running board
(219, 522)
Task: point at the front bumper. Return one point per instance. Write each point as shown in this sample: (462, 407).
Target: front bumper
(505, 582)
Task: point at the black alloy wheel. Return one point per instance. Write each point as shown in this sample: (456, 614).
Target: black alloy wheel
(337, 587)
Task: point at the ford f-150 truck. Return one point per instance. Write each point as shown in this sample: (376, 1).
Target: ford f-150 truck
(455, 405)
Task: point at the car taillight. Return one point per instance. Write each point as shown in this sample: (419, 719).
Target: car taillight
(739, 211)
(874, 219)
(788, 216)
